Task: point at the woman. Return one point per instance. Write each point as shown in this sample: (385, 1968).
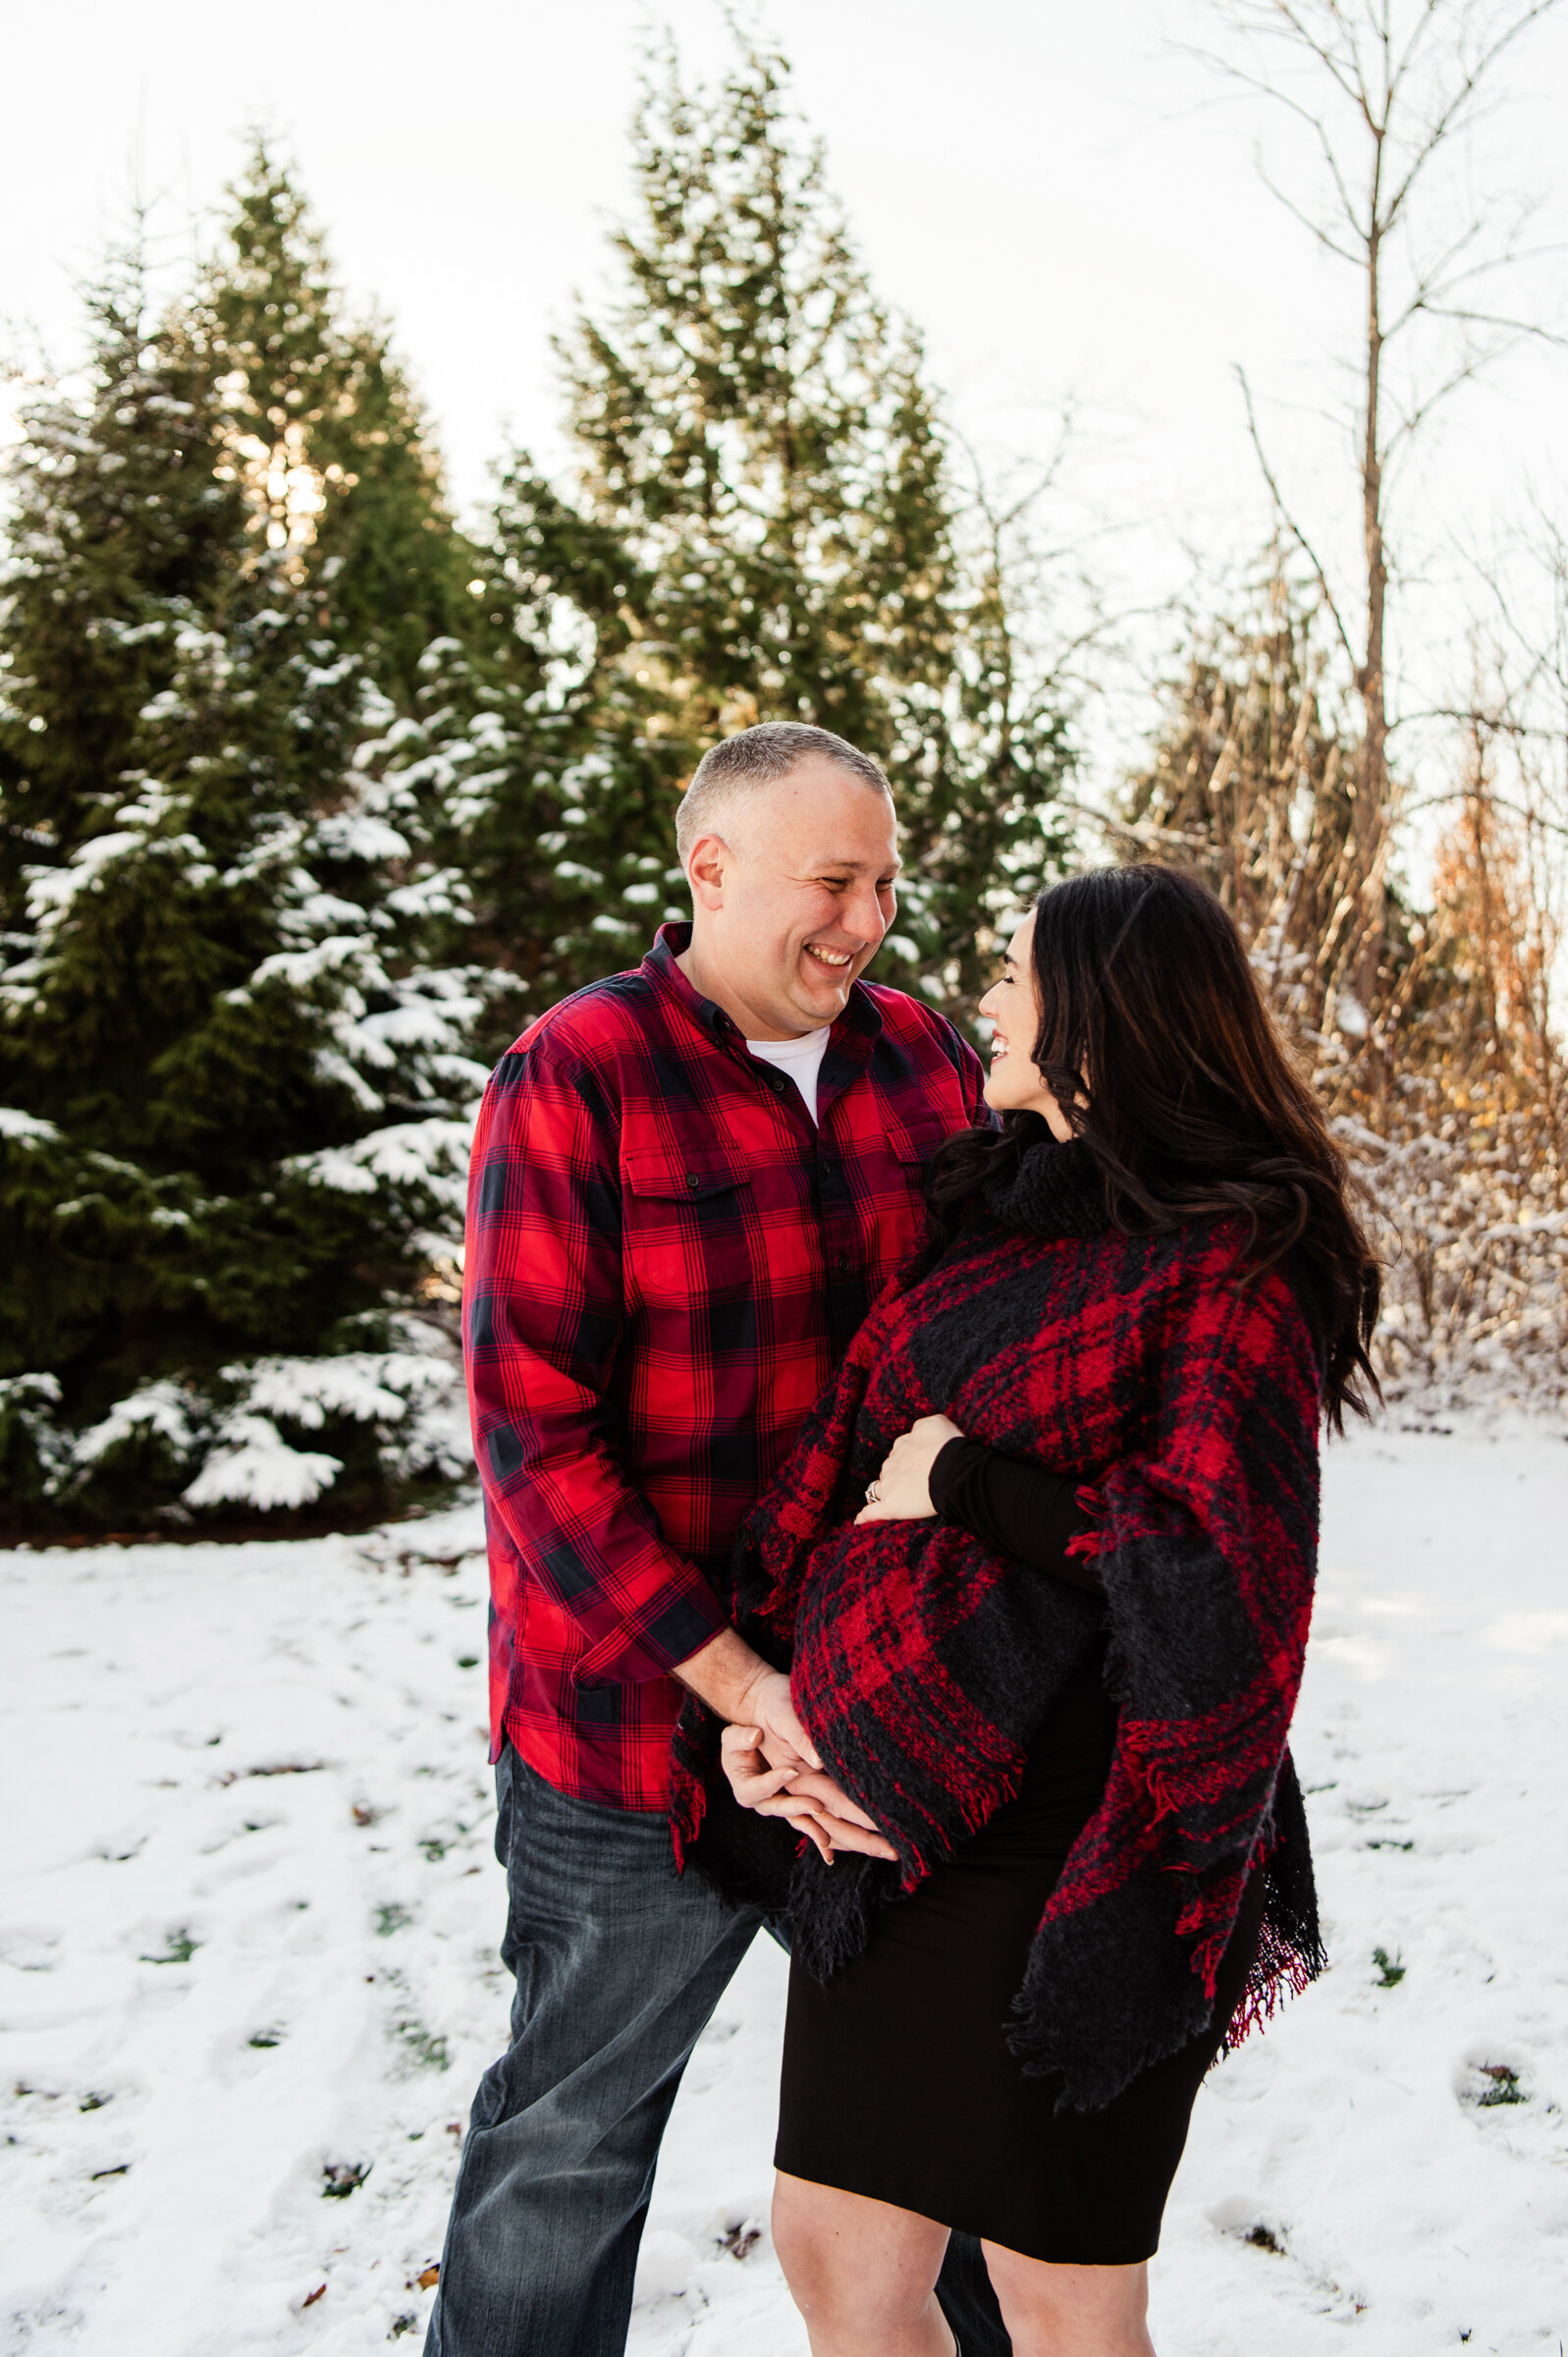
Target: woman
(1068, 1855)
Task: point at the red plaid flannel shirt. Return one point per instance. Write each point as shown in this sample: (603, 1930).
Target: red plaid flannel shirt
(666, 1262)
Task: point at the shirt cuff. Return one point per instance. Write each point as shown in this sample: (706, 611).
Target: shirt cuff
(671, 1625)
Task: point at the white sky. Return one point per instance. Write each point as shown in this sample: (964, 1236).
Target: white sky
(1061, 200)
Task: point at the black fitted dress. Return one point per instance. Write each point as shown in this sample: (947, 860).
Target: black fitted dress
(897, 2081)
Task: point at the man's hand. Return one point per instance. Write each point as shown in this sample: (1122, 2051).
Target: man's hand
(771, 1761)
(739, 1685)
(807, 1799)
(904, 1486)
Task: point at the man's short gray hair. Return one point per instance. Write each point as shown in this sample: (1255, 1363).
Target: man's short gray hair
(757, 757)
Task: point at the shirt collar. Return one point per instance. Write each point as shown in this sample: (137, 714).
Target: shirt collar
(857, 1030)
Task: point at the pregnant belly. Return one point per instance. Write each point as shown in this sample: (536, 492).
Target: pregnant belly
(924, 1668)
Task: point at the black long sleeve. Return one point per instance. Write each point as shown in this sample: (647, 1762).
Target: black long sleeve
(1019, 1508)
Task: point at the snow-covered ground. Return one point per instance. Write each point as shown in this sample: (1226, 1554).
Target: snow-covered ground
(247, 1974)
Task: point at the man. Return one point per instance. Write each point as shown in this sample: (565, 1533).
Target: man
(688, 1184)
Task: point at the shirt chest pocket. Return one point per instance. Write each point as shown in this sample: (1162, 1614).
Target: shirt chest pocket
(912, 1144)
(910, 1147)
(888, 1184)
(689, 1227)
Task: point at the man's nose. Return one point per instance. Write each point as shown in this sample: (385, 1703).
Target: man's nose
(862, 914)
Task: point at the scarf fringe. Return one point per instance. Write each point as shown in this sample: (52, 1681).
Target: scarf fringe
(1282, 1970)
(688, 1806)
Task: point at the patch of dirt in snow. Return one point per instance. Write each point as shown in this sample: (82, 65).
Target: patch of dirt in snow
(247, 1978)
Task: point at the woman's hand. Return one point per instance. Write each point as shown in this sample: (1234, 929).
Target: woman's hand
(809, 1800)
(904, 1486)
(845, 1824)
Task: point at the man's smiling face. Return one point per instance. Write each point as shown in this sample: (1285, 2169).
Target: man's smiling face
(794, 907)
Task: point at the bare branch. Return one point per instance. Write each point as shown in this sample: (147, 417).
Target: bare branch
(1435, 286)
(1289, 521)
(1292, 26)
(1314, 229)
(1500, 320)
(1452, 115)
(1532, 817)
(1230, 70)
(1410, 424)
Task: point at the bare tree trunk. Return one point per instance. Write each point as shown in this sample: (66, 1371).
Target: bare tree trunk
(1373, 814)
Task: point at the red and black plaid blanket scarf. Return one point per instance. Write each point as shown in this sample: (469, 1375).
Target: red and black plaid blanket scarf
(1187, 1405)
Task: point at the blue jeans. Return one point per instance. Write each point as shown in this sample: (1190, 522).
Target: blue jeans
(618, 1962)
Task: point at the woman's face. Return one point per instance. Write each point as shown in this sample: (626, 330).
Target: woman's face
(1015, 1083)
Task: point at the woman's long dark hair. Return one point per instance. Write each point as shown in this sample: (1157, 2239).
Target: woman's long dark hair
(1155, 1039)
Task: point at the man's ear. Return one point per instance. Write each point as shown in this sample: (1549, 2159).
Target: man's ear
(706, 871)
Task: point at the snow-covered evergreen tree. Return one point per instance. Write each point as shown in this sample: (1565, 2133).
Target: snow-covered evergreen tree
(236, 1084)
(337, 468)
(764, 527)
(539, 767)
(119, 533)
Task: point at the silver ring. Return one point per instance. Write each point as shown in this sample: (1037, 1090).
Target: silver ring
(873, 1493)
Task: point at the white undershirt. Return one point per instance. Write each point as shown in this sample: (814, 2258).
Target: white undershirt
(801, 1059)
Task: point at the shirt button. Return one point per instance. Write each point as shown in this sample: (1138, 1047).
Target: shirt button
(692, 1181)
(843, 1260)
